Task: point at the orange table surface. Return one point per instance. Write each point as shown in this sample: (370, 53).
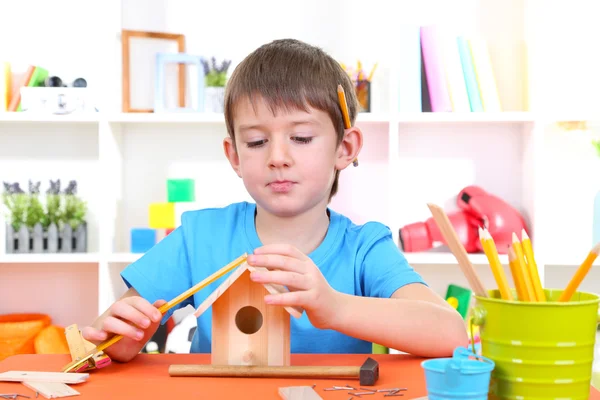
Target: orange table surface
(147, 377)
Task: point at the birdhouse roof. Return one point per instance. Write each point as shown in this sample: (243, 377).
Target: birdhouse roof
(235, 274)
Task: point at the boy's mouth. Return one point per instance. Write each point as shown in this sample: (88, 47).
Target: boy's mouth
(281, 186)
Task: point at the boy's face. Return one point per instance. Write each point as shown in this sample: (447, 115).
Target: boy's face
(287, 162)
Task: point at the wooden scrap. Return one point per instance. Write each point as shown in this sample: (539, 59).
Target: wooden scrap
(299, 393)
(52, 390)
(37, 376)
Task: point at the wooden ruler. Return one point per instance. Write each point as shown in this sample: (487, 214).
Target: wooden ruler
(52, 390)
(78, 347)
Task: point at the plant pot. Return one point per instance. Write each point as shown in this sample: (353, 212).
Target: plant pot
(214, 99)
(50, 240)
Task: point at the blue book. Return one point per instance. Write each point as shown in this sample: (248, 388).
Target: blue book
(469, 72)
(409, 74)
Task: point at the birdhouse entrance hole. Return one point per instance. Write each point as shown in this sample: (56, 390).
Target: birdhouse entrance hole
(248, 320)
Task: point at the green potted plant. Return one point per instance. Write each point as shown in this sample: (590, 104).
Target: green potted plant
(57, 225)
(15, 201)
(215, 77)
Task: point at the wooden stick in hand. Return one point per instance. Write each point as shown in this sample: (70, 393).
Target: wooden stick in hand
(451, 238)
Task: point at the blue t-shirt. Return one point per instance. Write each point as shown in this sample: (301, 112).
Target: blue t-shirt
(361, 260)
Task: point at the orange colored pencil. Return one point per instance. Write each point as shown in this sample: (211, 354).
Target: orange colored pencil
(532, 267)
(345, 114)
(581, 272)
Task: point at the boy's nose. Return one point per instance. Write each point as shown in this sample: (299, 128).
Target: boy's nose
(279, 156)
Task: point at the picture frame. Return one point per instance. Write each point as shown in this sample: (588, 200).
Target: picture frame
(126, 36)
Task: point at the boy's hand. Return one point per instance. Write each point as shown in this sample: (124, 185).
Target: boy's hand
(308, 287)
(132, 317)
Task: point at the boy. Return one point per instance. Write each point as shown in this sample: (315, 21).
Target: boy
(288, 144)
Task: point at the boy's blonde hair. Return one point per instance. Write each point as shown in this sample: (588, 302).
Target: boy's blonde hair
(290, 74)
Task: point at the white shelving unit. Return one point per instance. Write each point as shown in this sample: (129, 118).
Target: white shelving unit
(122, 162)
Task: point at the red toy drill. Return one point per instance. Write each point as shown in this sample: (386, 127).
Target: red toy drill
(477, 209)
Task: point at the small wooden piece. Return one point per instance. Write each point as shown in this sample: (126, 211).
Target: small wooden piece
(449, 234)
(52, 390)
(39, 376)
(367, 373)
(298, 393)
(128, 34)
(265, 371)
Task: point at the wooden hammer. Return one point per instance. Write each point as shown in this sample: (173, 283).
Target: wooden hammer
(367, 373)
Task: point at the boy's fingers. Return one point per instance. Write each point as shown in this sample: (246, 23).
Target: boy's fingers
(145, 308)
(276, 261)
(281, 249)
(285, 299)
(130, 312)
(121, 327)
(93, 335)
(159, 303)
(289, 279)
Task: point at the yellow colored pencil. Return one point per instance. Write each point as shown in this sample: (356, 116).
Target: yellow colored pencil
(581, 272)
(516, 244)
(345, 113)
(370, 78)
(489, 248)
(532, 267)
(517, 275)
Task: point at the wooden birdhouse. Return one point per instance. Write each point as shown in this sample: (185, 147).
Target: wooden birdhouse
(245, 330)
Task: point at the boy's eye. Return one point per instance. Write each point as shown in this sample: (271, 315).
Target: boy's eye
(256, 143)
(302, 139)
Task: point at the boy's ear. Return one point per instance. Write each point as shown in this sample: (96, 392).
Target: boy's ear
(349, 148)
(232, 155)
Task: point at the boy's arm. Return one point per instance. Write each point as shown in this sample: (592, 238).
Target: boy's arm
(415, 320)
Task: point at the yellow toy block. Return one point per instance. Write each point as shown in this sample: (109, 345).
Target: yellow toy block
(161, 216)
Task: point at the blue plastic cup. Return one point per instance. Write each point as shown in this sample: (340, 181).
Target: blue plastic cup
(458, 377)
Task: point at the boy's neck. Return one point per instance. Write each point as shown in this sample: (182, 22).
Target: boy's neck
(305, 231)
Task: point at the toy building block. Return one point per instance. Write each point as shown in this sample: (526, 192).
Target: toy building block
(161, 215)
(142, 239)
(180, 190)
(459, 298)
(168, 231)
(246, 331)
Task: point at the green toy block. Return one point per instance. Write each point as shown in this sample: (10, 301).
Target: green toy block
(462, 296)
(180, 190)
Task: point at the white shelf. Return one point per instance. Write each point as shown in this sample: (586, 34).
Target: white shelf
(55, 258)
(439, 258)
(166, 117)
(414, 259)
(472, 117)
(26, 117)
(218, 118)
(124, 258)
